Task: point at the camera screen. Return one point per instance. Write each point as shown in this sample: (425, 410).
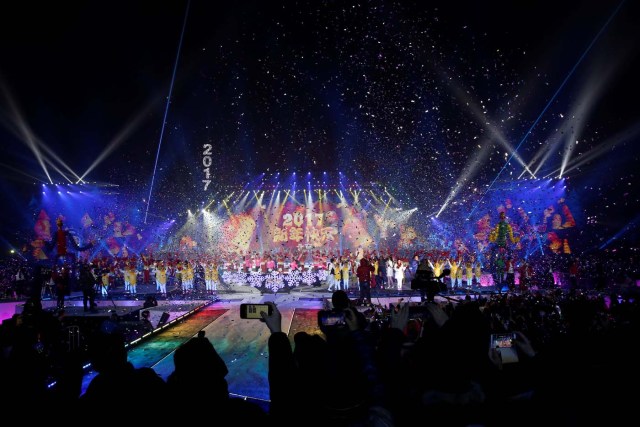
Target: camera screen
(502, 340)
(252, 311)
(504, 344)
(330, 318)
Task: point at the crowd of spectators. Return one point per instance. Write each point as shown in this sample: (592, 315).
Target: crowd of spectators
(430, 363)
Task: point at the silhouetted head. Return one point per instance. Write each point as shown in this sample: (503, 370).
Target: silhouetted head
(340, 300)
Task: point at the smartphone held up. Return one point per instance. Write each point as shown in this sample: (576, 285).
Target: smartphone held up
(252, 311)
(331, 318)
(503, 343)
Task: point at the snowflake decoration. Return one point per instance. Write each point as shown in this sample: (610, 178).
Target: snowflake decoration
(238, 278)
(227, 276)
(322, 274)
(255, 280)
(309, 277)
(274, 281)
(294, 279)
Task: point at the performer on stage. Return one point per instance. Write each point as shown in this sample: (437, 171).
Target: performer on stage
(477, 272)
(454, 266)
(437, 268)
(526, 272)
(331, 275)
(215, 276)
(104, 281)
(208, 277)
(126, 277)
(468, 269)
(510, 273)
(187, 276)
(399, 270)
(132, 275)
(389, 270)
(146, 267)
(375, 278)
(346, 273)
(61, 279)
(161, 278)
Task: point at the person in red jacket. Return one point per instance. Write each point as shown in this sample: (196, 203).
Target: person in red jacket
(363, 272)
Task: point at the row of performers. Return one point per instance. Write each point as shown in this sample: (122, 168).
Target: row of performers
(147, 266)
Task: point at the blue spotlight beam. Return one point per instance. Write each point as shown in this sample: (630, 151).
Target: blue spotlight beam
(546, 107)
(166, 110)
(627, 228)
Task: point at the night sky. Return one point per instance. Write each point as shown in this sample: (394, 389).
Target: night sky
(420, 96)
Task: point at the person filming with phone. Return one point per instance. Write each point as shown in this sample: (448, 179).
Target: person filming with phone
(336, 375)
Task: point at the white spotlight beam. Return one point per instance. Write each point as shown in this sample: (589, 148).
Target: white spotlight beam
(548, 104)
(57, 169)
(24, 133)
(482, 117)
(116, 141)
(600, 149)
(593, 89)
(21, 172)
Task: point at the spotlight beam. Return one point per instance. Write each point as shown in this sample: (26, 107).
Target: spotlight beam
(166, 111)
(21, 172)
(115, 142)
(212, 200)
(542, 150)
(50, 152)
(594, 88)
(600, 149)
(546, 107)
(628, 227)
(57, 169)
(481, 116)
(23, 131)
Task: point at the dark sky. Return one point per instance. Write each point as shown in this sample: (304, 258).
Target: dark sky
(412, 94)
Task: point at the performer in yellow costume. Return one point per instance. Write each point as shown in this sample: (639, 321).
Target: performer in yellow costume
(161, 279)
(215, 276)
(187, 276)
(208, 277)
(132, 274)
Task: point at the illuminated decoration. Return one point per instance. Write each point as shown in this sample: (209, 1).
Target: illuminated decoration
(287, 221)
(301, 226)
(408, 236)
(62, 238)
(187, 243)
(42, 230)
(558, 220)
(94, 221)
(529, 220)
(500, 233)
